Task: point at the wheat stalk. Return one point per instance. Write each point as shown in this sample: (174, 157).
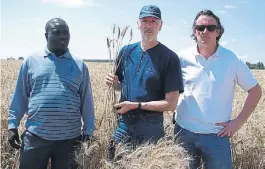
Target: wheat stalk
(16, 160)
(108, 120)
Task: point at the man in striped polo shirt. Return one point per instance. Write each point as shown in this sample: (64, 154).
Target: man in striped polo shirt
(54, 90)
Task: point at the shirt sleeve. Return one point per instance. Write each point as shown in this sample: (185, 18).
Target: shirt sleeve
(87, 103)
(19, 101)
(119, 63)
(244, 77)
(173, 75)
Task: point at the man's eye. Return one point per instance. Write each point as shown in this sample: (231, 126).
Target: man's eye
(66, 33)
(56, 32)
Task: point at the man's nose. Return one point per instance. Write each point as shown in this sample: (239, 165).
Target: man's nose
(149, 23)
(205, 30)
(63, 36)
(148, 26)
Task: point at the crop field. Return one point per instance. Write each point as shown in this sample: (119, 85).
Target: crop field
(248, 145)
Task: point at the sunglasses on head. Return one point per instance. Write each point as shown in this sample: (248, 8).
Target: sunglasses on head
(210, 28)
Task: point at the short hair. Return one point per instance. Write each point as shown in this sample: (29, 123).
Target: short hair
(48, 24)
(208, 13)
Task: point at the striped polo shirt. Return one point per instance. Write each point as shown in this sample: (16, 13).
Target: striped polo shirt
(55, 93)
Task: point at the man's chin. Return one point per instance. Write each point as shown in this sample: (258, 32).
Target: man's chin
(149, 39)
(60, 50)
(205, 43)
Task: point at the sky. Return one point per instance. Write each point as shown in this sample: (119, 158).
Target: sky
(23, 24)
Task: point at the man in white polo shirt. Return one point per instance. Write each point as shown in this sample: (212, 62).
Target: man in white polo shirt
(210, 74)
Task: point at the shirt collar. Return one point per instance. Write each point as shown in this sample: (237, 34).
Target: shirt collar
(66, 54)
(216, 54)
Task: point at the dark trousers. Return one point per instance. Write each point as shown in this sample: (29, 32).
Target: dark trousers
(136, 129)
(139, 128)
(35, 152)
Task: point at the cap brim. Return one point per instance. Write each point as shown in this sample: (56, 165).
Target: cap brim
(149, 15)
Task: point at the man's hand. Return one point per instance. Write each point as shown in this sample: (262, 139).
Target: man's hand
(230, 128)
(111, 79)
(13, 138)
(126, 106)
(85, 138)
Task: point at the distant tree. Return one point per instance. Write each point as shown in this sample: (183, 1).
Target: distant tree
(248, 64)
(258, 65)
(20, 58)
(262, 66)
(11, 58)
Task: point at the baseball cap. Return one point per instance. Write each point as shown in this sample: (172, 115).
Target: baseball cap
(150, 10)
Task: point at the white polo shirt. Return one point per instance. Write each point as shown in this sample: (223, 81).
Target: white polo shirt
(209, 86)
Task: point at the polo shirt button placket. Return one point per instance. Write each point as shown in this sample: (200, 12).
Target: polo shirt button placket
(140, 65)
(206, 65)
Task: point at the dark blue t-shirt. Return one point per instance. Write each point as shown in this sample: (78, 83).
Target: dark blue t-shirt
(148, 75)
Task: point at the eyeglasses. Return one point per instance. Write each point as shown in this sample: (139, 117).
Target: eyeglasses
(210, 28)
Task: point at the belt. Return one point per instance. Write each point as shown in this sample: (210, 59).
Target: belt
(141, 115)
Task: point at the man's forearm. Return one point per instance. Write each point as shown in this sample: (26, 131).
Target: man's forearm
(161, 106)
(169, 104)
(251, 102)
(19, 101)
(88, 115)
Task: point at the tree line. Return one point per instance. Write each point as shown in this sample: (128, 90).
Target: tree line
(258, 65)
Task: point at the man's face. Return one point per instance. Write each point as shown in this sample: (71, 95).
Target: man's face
(206, 30)
(149, 27)
(57, 36)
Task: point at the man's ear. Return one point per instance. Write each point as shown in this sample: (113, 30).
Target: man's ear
(46, 36)
(194, 31)
(218, 31)
(138, 24)
(161, 25)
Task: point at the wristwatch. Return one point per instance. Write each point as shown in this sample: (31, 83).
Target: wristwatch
(139, 105)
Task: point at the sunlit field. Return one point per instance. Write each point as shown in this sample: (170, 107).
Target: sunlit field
(248, 145)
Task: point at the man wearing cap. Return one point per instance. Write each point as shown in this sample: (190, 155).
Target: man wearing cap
(150, 77)
(210, 74)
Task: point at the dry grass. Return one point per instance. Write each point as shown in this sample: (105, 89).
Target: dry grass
(248, 144)
(165, 154)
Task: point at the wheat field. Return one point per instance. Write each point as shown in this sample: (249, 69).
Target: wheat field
(248, 145)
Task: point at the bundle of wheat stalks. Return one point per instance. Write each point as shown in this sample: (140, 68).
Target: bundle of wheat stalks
(108, 121)
(96, 149)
